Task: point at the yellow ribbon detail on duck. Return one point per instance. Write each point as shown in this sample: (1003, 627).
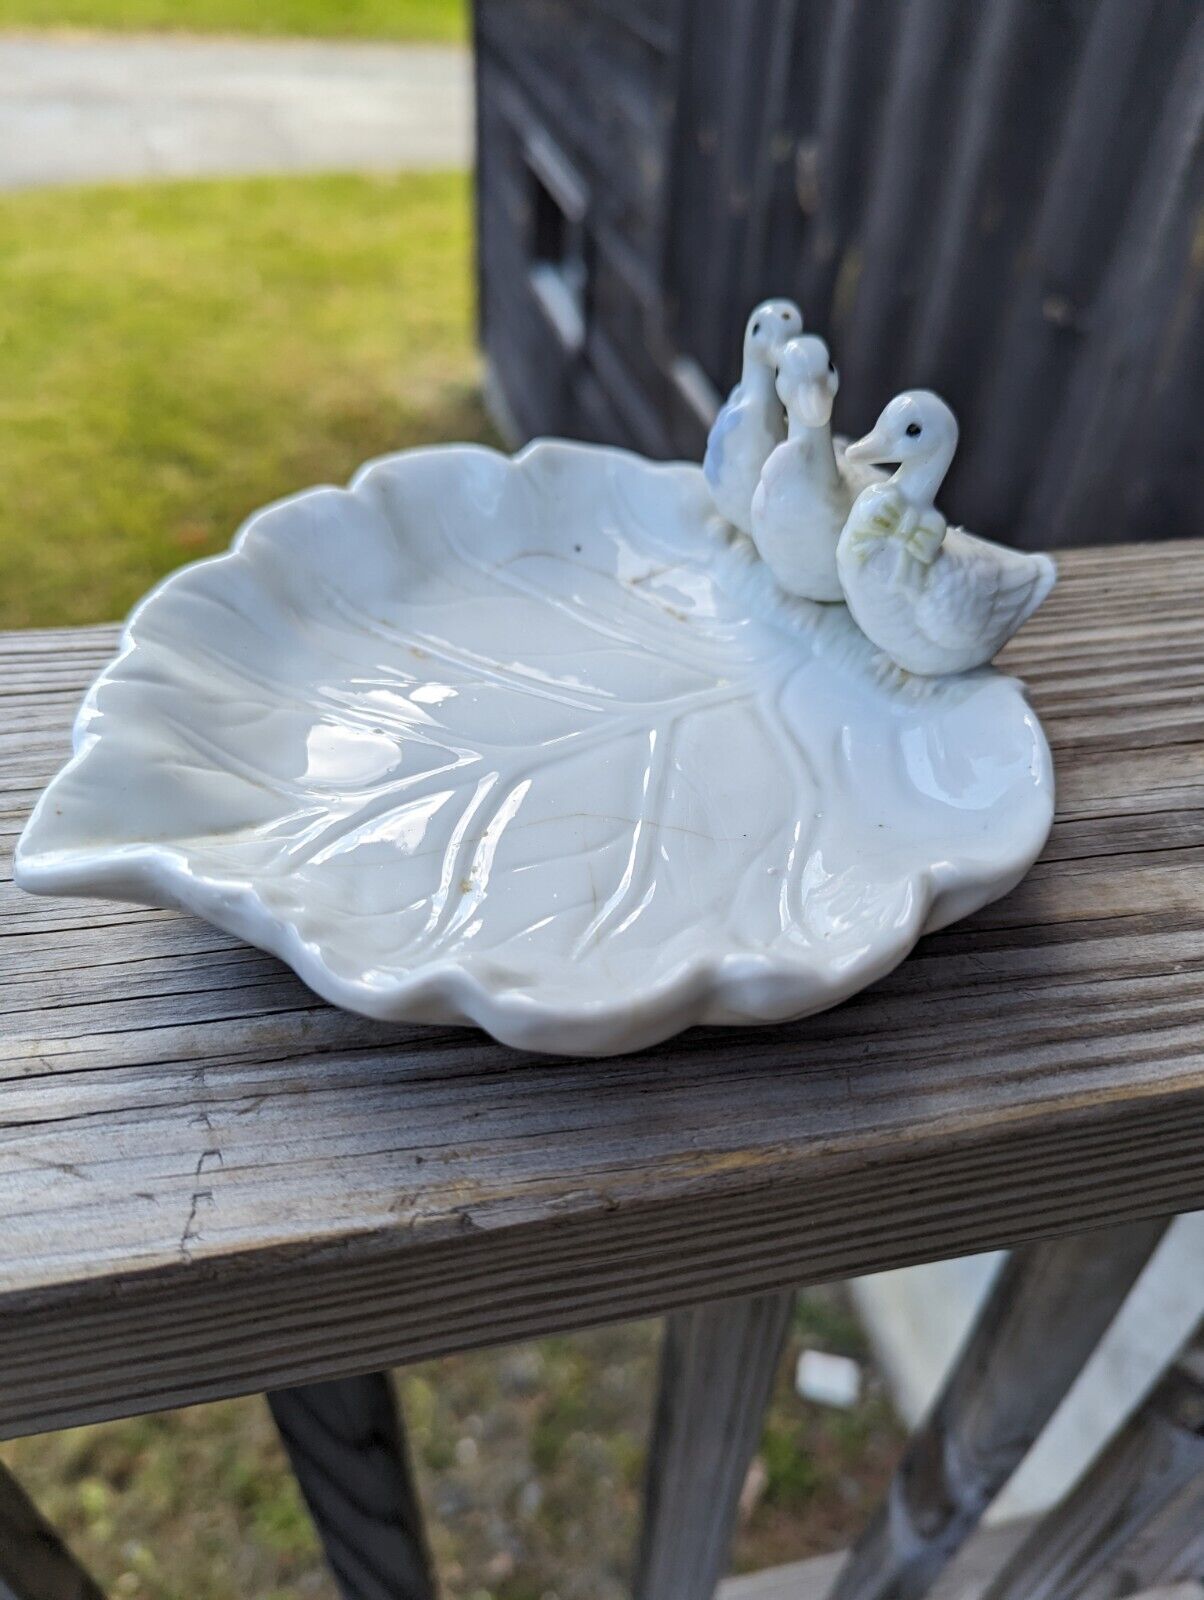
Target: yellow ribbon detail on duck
(893, 518)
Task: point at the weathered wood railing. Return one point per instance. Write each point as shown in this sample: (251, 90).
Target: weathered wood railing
(1137, 1517)
(213, 1184)
(1044, 1316)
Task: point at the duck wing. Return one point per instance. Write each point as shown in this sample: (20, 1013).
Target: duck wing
(727, 420)
(979, 592)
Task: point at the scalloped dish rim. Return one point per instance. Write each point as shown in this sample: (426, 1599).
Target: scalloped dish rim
(723, 986)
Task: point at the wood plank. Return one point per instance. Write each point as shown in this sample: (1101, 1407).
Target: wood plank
(918, 115)
(978, 1562)
(1134, 1519)
(718, 1363)
(1045, 1314)
(347, 1447)
(798, 1580)
(212, 1183)
(1087, 470)
(34, 1562)
(1087, 175)
(812, 1580)
(1175, 1591)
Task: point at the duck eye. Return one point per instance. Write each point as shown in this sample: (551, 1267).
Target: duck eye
(914, 430)
(831, 366)
(756, 329)
(785, 316)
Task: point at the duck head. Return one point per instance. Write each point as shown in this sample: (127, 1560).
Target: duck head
(807, 381)
(918, 433)
(769, 326)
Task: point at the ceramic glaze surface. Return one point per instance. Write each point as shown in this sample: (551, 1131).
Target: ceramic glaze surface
(934, 599)
(536, 743)
(750, 421)
(803, 498)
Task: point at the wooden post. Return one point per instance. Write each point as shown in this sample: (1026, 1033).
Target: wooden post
(347, 1447)
(1137, 1516)
(718, 1364)
(1045, 1314)
(34, 1562)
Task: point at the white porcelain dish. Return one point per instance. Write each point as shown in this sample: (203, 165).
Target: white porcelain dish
(536, 743)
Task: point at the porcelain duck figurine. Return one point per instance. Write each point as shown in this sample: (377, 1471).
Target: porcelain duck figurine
(935, 599)
(803, 501)
(750, 423)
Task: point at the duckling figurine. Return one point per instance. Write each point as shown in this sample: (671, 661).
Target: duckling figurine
(935, 599)
(750, 422)
(803, 501)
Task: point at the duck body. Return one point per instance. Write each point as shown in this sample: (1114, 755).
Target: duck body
(750, 422)
(747, 430)
(802, 500)
(934, 599)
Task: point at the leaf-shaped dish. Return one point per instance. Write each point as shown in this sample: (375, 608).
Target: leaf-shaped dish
(536, 742)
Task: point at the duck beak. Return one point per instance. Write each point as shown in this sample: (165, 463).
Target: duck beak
(873, 448)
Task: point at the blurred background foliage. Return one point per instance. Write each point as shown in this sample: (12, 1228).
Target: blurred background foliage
(355, 19)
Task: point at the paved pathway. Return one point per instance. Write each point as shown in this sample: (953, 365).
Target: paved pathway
(86, 109)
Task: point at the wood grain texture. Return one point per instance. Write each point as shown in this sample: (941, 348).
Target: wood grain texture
(1133, 1520)
(1045, 1314)
(212, 1183)
(34, 1562)
(347, 1447)
(718, 1363)
(977, 1563)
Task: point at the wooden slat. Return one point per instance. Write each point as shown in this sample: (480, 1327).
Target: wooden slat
(1134, 1519)
(1089, 466)
(997, 200)
(977, 1564)
(916, 116)
(34, 1562)
(347, 1448)
(1045, 1314)
(799, 1580)
(835, 164)
(718, 1364)
(811, 1580)
(1012, 97)
(212, 1183)
(1086, 178)
(1169, 1547)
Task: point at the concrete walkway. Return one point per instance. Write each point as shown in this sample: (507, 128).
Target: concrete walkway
(89, 109)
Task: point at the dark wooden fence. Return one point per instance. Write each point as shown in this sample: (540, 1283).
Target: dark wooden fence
(1001, 199)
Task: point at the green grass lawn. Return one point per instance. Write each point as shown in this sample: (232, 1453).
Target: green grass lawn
(173, 356)
(362, 19)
